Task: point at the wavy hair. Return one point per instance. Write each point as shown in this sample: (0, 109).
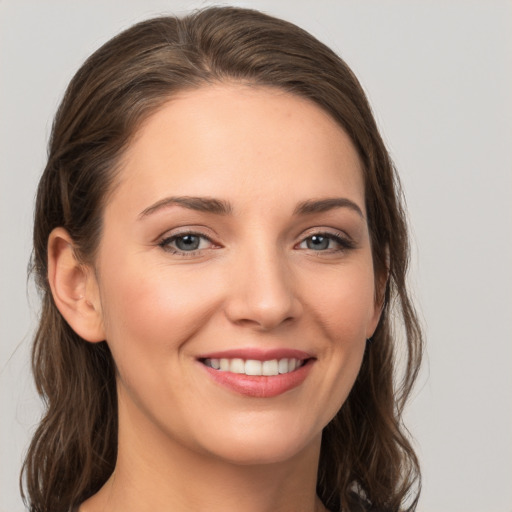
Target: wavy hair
(366, 460)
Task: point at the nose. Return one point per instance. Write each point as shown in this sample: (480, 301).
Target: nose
(262, 292)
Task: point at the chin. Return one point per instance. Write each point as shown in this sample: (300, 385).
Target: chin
(250, 454)
(260, 446)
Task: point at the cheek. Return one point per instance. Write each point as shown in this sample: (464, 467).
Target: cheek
(345, 306)
(344, 311)
(152, 310)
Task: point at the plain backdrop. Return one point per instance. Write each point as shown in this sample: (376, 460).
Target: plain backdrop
(439, 76)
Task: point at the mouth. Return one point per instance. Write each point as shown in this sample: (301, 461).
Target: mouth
(256, 373)
(254, 367)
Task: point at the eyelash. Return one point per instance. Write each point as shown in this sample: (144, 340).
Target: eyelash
(165, 243)
(344, 243)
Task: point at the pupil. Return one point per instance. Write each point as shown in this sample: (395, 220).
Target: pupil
(187, 242)
(317, 242)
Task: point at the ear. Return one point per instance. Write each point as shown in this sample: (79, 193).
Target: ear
(74, 288)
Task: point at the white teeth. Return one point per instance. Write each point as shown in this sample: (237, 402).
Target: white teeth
(283, 366)
(237, 366)
(253, 366)
(270, 367)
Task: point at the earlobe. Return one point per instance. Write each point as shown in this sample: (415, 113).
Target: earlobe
(74, 287)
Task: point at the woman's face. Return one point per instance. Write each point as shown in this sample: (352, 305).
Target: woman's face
(235, 274)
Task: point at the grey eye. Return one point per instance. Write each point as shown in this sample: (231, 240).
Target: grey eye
(187, 242)
(318, 242)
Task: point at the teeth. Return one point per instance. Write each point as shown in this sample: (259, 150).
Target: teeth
(237, 366)
(270, 367)
(254, 367)
(283, 366)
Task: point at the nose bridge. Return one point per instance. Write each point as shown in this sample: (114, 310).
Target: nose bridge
(262, 291)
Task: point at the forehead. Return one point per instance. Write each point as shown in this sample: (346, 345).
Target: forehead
(239, 141)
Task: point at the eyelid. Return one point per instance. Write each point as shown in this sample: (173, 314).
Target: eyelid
(326, 231)
(341, 237)
(344, 240)
(184, 230)
(166, 239)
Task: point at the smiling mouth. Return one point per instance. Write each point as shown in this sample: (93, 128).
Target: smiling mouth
(255, 367)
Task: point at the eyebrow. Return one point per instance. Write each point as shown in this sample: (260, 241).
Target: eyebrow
(324, 205)
(221, 207)
(202, 204)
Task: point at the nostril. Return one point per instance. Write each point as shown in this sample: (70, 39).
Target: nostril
(261, 319)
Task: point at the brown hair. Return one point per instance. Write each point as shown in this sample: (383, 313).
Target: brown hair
(366, 461)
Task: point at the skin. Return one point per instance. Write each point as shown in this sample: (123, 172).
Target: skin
(186, 442)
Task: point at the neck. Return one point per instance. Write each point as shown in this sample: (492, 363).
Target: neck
(153, 472)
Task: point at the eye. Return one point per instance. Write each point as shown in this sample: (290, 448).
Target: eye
(318, 242)
(185, 243)
(328, 242)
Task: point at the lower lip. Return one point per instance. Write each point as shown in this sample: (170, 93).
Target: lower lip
(260, 386)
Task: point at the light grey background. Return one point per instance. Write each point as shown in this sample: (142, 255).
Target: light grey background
(439, 75)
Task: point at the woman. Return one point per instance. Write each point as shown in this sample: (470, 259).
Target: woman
(219, 241)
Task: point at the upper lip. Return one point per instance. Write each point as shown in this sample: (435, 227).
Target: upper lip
(258, 354)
